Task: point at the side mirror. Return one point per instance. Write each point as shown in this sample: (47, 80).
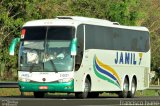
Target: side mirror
(13, 45)
(74, 47)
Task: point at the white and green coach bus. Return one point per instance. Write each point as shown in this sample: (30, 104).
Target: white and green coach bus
(80, 55)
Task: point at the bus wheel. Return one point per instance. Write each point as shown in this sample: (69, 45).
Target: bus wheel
(133, 89)
(124, 93)
(38, 94)
(86, 90)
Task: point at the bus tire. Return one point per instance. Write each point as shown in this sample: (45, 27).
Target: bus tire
(133, 89)
(87, 88)
(38, 94)
(124, 92)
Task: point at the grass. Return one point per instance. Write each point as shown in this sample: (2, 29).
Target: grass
(12, 92)
(9, 92)
(138, 93)
(147, 93)
(16, 92)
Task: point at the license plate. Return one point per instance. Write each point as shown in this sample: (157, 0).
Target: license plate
(43, 87)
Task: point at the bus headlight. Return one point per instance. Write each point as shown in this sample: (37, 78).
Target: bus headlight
(24, 79)
(65, 80)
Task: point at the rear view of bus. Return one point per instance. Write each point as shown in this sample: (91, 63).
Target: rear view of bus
(45, 60)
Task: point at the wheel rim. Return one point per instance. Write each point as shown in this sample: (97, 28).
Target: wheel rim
(86, 88)
(133, 89)
(125, 87)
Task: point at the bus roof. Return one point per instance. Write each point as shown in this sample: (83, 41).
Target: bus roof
(76, 20)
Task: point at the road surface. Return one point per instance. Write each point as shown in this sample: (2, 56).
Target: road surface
(61, 100)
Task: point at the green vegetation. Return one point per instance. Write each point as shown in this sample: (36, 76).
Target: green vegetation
(14, 13)
(12, 92)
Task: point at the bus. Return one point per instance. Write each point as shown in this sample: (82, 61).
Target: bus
(84, 56)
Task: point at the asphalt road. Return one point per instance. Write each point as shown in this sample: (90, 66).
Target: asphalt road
(61, 100)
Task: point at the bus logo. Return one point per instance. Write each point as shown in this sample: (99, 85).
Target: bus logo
(127, 58)
(43, 79)
(105, 72)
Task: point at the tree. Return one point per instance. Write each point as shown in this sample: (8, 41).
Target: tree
(13, 15)
(152, 21)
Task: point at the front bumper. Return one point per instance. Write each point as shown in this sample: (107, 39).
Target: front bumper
(51, 87)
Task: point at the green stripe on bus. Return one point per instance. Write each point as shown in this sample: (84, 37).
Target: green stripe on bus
(104, 77)
(52, 87)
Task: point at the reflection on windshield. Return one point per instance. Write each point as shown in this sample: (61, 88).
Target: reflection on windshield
(58, 56)
(52, 56)
(31, 55)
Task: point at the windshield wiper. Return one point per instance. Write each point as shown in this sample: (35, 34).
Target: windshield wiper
(54, 66)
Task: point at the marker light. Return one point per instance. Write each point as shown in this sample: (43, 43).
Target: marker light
(23, 33)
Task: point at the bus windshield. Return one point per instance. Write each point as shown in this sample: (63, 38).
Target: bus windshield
(46, 49)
